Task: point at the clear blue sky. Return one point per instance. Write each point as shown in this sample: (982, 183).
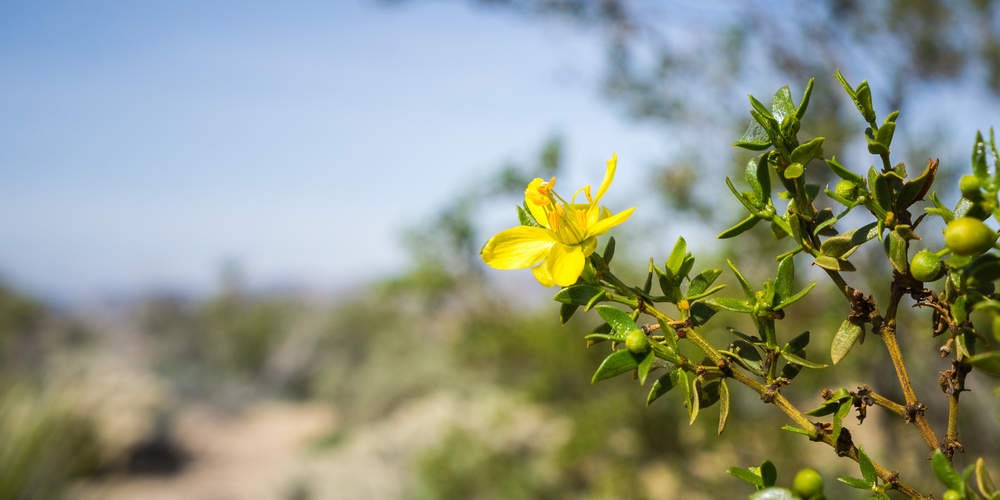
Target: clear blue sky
(142, 144)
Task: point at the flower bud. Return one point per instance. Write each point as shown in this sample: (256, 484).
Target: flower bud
(969, 237)
(847, 190)
(636, 342)
(926, 266)
(808, 484)
(952, 495)
(969, 185)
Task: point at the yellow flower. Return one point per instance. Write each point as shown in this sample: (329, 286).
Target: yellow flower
(557, 251)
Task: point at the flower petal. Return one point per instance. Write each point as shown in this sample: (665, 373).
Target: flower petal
(565, 263)
(536, 210)
(609, 175)
(605, 224)
(518, 248)
(542, 275)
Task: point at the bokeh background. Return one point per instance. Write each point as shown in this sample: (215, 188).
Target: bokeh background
(238, 240)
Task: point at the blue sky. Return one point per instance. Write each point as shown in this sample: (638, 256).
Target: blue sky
(143, 144)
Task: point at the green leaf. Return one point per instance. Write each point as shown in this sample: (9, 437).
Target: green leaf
(795, 360)
(785, 278)
(874, 147)
(619, 320)
(668, 284)
(843, 82)
(844, 173)
(753, 145)
(617, 363)
(702, 281)
(760, 108)
(609, 250)
(796, 430)
(730, 304)
(694, 405)
(644, 366)
(663, 385)
(946, 473)
(885, 132)
(795, 298)
(746, 475)
(860, 484)
(844, 340)
(983, 270)
(677, 257)
(668, 334)
(837, 246)
(768, 473)
(940, 210)
(797, 344)
(867, 469)
(839, 416)
(827, 408)
(833, 264)
(915, 189)
(704, 294)
(566, 312)
(525, 217)
(702, 312)
(988, 362)
(879, 189)
(708, 394)
(748, 338)
(723, 405)
(794, 171)
(781, 103)
(747, 290)
(759, 179)
(983, 479)
(806, 152)
(684, 382)
(773, 493)
(979, 167)
(863, 100)
(740, 228)
(801, 111)
(745, 355)
(895, 249)
(577, 295)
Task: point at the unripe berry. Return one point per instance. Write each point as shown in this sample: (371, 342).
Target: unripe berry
(847, 189)
(807, 484)
(969, 186)
(926, 266)
(952, 495)
(969, 236)
(636, 342)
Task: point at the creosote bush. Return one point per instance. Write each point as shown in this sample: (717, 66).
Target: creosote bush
(557, 240)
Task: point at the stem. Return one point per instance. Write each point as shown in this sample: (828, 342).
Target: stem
(888, 334)
(952, 435)
(888, 404)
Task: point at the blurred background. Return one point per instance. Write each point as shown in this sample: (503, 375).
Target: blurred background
(239, 240)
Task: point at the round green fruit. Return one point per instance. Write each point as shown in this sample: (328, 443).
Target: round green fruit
(807, 484)
(636, 342)
(969, 186)
(952, 495)
(926, 266)
(847, 189)
(969, 236)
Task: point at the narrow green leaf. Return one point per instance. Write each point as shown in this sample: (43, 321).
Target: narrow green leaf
(566, 312)
(915, 189)
(836, 246)
(895, 249)
(844, 173)
(609, 250)
(796, 360)
(525, 217)
(708, 393)
(827, 408)
(806, 152)
(867, 469)
(844, 340)
(983, 479)
(704, 294)
(759, 106)
(795, 298)
(747, 290)
(768, 473)
(601, 337)
(839, 416)
(740, 228)
(677, 256)
(702, 312)
(746, 475)
(617, 363)
(885, 132)
(668, 335)
(781, 103)
(853, 482)
(723, 405)
(730, 304)
(946, 473)
(619, 320)
(801, 111)
(797, 344)
(988, 362)
(578, 295)
(785, 278)
(748, 338)
(879, 189)
(702, 281)
(799, 431)
(979, 167)
(644, 366)
(843, 82)
(694, 404)
(663, 385)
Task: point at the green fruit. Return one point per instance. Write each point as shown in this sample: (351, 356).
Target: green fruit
(636, 342)
(952, 495)
(969, 186)
(807, 484)
(926, 266)
(968, 237)
(847, 189)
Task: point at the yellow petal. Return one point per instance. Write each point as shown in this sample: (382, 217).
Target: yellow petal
(536, 210)
(605, 224)
(565, 263)
(518, 248)
(609, 175)
(542, 275)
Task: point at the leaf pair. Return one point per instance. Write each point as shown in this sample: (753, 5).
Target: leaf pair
(870, 481)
